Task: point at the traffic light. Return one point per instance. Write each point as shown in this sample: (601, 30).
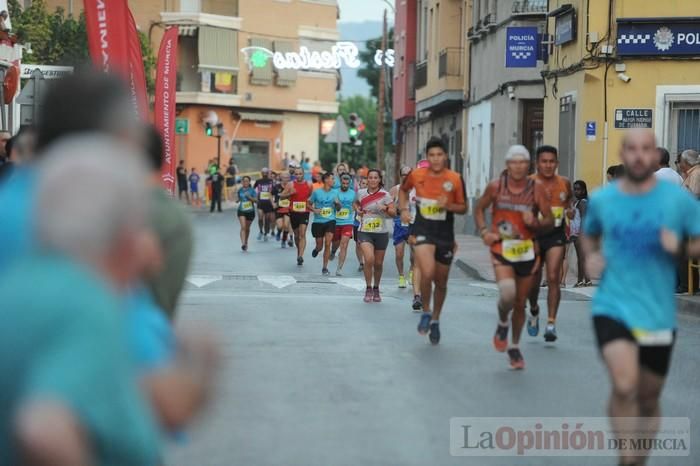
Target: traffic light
(353, 130)
(209, 129)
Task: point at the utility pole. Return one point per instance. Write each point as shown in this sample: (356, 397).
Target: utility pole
(382, 95)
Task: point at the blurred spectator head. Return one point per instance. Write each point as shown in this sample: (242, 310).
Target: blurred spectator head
(154, 149)
(4, 137)
(664, 157)
(101, 220)
(104, 106)
(688, 159)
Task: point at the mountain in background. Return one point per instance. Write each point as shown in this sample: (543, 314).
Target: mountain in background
(359, 33)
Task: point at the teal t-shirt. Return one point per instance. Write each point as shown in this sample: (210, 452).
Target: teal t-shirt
(345, 214)
(324, 200)
(245, 198)
(63, 339)
(639, 280)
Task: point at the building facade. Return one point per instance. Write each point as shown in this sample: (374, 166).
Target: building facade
(638, 69)
(404, 90)
(506, 92)
(226, 75)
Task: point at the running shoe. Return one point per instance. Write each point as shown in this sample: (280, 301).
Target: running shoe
(533, 325)
(376, 297)
(284, 245)
(500, 338)
(424, 323)
(300, 261)
(516, 358)
(325, 272)
(550, 333)
(260, 235)
(314, 254)
(434, 333)
(244, 247)
(290, 243)
(369, 295)
(339, 273)
(402, 281)
(278, 236)
(417, 303)
(265, 238)
(361, 268)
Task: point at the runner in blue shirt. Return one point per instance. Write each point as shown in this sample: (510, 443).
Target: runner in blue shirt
(247, 197)
(194, 185)
(344, 219)
(322, 204)
(635, 230)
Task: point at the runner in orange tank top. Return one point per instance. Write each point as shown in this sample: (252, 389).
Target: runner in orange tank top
(516, 200)
(553, 243)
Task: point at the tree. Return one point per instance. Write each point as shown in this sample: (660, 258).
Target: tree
(60, 39)
(370, 70)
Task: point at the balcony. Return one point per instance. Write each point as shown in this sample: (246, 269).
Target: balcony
(212, 7)
(530, 7)
(450, 62)
(215, 13)
(421, 78)
(196, 84)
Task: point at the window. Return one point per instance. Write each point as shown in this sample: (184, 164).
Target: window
(685, 126)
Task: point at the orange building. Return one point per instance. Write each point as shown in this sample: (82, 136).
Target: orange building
(265, 111)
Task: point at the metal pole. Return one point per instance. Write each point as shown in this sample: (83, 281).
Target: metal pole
(340, 145)
(380, 106)
(218, 151)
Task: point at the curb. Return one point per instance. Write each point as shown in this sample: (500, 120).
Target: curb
(689, 305)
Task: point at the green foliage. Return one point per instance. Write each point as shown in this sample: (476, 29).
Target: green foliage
(61, 39)
(370, 70)
(356, 156)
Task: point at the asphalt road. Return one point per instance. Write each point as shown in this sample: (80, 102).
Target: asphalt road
(313, 376)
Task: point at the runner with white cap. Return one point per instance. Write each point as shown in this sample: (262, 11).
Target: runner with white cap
(516, 200)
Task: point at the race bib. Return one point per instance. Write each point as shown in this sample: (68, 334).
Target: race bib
(653, 338)
(284, 203)
(558, 213)
(299, 207)
(518, 250)
(265, 196)
(326, 212)
(247, 205)
(343, 214)
(372, 225)
(430, 210)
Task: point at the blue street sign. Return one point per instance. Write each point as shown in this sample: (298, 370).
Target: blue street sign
(521, 47)
(590, 130)
(661, 37)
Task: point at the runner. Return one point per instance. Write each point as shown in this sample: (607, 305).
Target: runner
(553, 243)
(283, 208)
(344, 218)
(375, 205)
(247, 197)
(400, 235)
(362, 184)
(323, 204)
(299, 193)
(634, 233)
(266, 212)
(516, 199)
(440, 194)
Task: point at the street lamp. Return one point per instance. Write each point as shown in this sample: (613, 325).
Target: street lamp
(219, 127)
(391, 5)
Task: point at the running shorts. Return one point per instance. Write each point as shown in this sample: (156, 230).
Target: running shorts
(194, 189)
(522, 269)
(655, 358)
(380, 241)
(249, 215)
(319, 230)
(299, 219)
(444, 250)
(279, 215)
(401, 234)
(553, 239)
(266, 207)
(342, 231)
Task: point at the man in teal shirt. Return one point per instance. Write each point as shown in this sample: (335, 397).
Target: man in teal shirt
(322, 204)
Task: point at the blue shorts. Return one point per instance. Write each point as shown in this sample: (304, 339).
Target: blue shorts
(400, 234)
(194, 188)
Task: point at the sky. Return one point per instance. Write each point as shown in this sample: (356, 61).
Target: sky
(353, 11)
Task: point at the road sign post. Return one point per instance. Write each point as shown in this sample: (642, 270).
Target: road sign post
(338, 135)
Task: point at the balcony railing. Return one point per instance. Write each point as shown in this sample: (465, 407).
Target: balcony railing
(450, 63)
(214, 7)
(529, 7)
(421, 78)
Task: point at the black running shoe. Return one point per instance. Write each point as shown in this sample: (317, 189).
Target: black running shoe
(417, 303)
(516, 358)
(314, 254)
(300, 261)
(434, 333)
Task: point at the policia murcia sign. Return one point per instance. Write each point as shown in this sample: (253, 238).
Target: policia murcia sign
(658, 37)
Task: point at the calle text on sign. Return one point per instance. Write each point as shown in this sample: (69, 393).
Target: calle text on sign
(627, 118)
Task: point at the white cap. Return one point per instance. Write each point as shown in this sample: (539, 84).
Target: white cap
(517, 152)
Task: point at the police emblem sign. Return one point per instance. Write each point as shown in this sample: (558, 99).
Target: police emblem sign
(658, 36)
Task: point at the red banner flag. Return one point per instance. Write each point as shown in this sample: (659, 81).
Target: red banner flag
(138, 73)
(166, 77)
(115, 47)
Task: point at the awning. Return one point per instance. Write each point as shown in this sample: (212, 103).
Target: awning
(260, 116)
(218, 49)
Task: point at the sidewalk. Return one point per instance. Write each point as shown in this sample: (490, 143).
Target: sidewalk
(473, 258)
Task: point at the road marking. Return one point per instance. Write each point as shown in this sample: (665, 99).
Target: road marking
(203, 280)
(278, 281)
(354, 283)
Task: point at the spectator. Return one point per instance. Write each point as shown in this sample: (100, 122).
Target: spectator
(306, 166)
(293, 162)
(182, 181)
(217, 186)
(665, 172)
(194, 186)
(580, 206)
(3, 22)
(689, 161)
(231, 173)
(615, 172)
(285, 161)
(68, 390)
